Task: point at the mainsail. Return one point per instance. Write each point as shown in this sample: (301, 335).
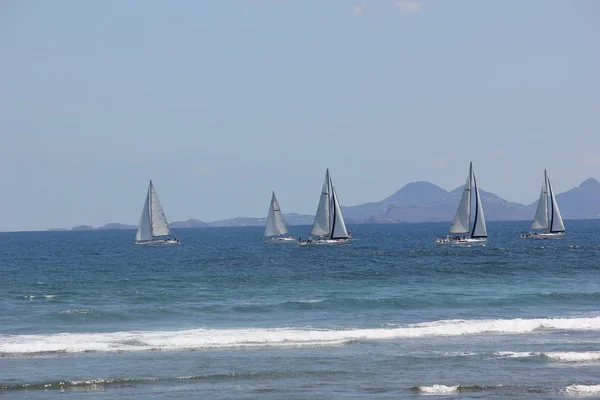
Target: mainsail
(153, 222)
(144, 232)
(462, 220)
(479, 228)
(322, 223)
(275, 223)
(540, 220)
(556, 222)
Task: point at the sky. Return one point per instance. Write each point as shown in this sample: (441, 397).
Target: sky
(220, 102)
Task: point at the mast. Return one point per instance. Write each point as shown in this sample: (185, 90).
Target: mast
(150, 208)
(551, 209)
(470, 192)
(332, 213)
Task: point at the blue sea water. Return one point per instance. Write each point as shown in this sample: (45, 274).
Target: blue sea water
(225, 315)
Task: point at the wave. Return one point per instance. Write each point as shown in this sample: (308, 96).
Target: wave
(452, 389)
(582, 389)
(560, 356)
(98, 384)
(586, 356)
(262, 337)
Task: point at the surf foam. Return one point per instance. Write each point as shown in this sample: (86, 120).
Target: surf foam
(438, 389)
(218, 338)
(582, 389)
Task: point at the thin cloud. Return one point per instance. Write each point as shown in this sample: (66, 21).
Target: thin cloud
(588, 158)
(434, 163)
(359, 9)
(204, 172)
(408, 7)
(137, 160)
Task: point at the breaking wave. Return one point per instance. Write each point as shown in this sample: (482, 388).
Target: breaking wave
(583, 389)
(441, 390)
(221, 338)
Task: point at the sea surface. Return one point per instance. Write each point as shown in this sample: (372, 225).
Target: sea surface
(224, 315)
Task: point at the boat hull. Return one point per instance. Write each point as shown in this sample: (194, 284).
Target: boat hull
(461, 242)
(544, 236)
(165, 242)
(323, 242)
(281, 240)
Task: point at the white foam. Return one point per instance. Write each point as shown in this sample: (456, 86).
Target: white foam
(438, 389)
(216, 338)
(582, 389)
(586, 356)
(515, 354)
(561, 356)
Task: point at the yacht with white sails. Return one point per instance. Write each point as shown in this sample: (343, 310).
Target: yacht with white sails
(546, 217)
(329, 226)
(461, 233)
(153, 228)
(275, 228)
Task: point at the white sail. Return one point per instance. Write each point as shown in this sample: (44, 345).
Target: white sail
(540, 220)
(479, 228)
(160, 227)
(461, 222)
(275, 223)
(322, 224)
(144, 231)
(556, 224)
(338, 226)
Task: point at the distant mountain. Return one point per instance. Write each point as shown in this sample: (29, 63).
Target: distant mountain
(582, 202)
(112, 225)
(83, 228)
(116, 225)
(190, 223)
(420, 202)
(426, 202)
(290, 219)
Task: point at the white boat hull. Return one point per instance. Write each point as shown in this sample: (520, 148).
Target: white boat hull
(280, 240)
(323, 242)
(461, 242)
(544, 236)
(165, 242)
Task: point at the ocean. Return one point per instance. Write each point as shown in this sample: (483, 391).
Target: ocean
(226, 316)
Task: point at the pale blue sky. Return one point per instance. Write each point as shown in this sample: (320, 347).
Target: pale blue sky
(219, 102)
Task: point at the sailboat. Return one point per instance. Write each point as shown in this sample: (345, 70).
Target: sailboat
(547, 218)
(461, 233)
(275, 227)
(153, 228)
(329, 223)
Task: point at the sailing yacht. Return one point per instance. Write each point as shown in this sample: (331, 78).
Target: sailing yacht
(153, 228)
(547, 218)
(275, 227)
(461, 233)
(329, 223)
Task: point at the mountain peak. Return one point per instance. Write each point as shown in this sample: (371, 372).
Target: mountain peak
(419, 191)
(590, 184)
